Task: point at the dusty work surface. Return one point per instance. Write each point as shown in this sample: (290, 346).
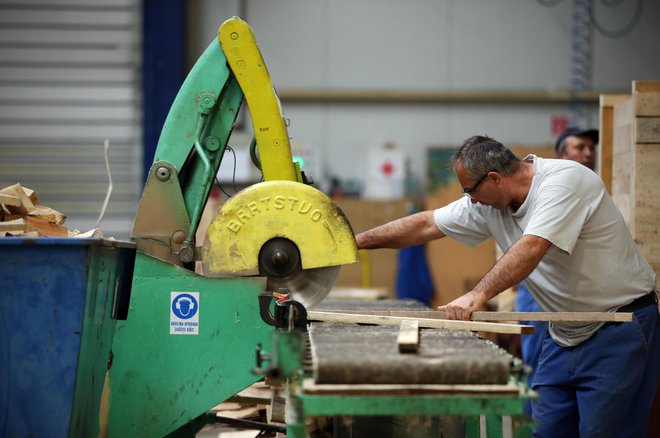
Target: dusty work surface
(352, 353)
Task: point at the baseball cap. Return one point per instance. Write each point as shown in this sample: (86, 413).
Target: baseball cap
(578, 132)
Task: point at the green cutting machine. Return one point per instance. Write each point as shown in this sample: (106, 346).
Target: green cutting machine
(189, 340)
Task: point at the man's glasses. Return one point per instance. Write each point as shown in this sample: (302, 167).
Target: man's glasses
(468, 191)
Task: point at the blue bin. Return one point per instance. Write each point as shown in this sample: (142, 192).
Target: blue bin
(59, 301)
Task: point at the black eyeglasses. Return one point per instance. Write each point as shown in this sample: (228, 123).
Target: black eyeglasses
(468, 191)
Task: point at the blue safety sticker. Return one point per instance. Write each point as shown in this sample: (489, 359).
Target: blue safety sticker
(184, 313)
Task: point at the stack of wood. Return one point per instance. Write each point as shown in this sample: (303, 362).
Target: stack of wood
(21, 215)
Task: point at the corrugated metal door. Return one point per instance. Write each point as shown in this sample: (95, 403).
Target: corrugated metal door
(69, 79)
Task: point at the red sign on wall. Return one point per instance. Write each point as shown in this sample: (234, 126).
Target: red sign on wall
(558, 124)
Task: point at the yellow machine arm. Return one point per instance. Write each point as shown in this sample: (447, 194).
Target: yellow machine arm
(247, 64)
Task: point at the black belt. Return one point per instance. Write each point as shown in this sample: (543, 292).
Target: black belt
(638, 303)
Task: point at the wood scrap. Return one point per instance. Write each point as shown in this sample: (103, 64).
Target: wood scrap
(14, 225)
(12, 200)
(408, 339)
(27, 199)
(21, 215)
(46, 228)
(47, 214)
(361, 318)
(504, 316)
(258, 393)
(276, 410)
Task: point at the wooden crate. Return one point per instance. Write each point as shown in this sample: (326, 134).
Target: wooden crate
(634, 130)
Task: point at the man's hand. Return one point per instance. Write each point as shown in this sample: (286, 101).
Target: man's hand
(515, 265)
(463, 306)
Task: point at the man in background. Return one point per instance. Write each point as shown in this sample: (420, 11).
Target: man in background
(578, 145)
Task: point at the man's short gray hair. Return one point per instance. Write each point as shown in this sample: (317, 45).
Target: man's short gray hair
(481, 154)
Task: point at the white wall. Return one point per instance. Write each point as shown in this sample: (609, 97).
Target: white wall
(434, 46)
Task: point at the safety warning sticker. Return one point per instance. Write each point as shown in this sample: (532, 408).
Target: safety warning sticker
(184, 313)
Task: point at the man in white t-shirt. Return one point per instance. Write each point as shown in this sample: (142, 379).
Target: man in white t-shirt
(573, 144)
(562, 233)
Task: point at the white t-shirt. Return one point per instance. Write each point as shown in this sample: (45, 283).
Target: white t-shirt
(593, 264)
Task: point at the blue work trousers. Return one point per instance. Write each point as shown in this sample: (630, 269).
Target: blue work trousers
(603, 387)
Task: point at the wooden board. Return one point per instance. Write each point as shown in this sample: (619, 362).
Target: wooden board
(46, 228)
(408, 339)
(10, 200)
(423, 322)
(646, 86)
(647, 104)
(504, 316)
(310, 387)
(13, 225)
(647, 130)
(606, 119)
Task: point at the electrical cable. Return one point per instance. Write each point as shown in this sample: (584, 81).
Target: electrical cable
(253, 153)
(233, 177)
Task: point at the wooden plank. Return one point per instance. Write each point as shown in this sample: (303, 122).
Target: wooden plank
(48, 214)
(556, 316)
(605, 145)
(423, 322)
(622, 149)
(646, 86)
(408, 339)
(647, 130)
(46, 228)
(647, 104)
(623, 113)
(15, 225)
(503, 316)
(622, 166)
(10, 200)
(311, 387)
(646, 202)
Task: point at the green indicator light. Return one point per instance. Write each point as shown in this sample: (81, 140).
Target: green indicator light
(300, 161)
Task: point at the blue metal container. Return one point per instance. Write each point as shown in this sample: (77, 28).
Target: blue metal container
(59, 301)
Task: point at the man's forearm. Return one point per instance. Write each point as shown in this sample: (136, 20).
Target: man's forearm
(408, 231)
(514, 266)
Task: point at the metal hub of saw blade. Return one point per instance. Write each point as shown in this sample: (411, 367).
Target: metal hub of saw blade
(279, 261)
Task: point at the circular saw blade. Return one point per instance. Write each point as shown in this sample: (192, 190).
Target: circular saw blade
(308, 286)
